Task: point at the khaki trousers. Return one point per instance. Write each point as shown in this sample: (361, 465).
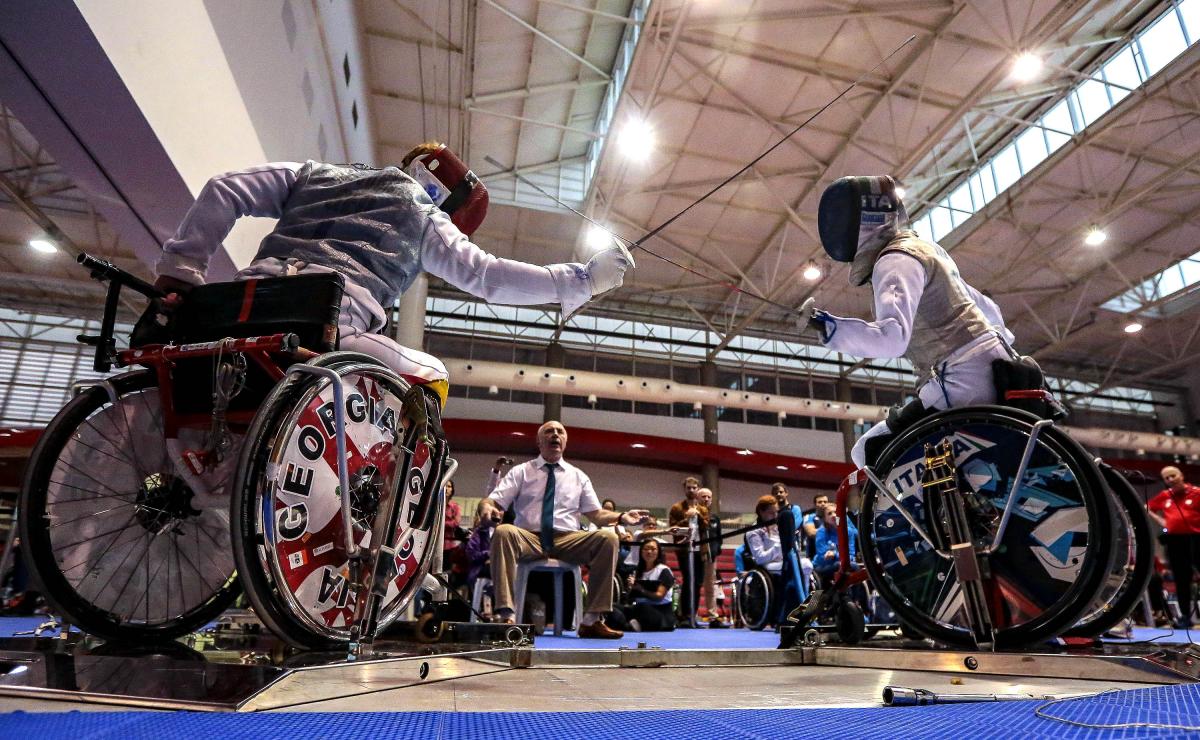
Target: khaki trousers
(597, 550)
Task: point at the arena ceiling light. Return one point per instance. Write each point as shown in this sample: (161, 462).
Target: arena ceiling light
(1133, 327)
(901, 192)
(1026, 66)
(598, 238)
(635, 138)
(812, 272)
(44, 246)
(1094, 237)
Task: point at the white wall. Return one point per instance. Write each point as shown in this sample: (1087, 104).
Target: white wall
(223, 84)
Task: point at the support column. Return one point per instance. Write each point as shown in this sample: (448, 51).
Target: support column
(556, 356)
(710, 472)
(846, 426)
(409, 328)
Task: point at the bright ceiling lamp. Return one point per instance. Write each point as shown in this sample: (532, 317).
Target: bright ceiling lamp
(1026, 66)
(1094, 237)
(812, 272)
(1133, 327)
(45, 246)
(598, 238)
(901, 192)
(635, 138)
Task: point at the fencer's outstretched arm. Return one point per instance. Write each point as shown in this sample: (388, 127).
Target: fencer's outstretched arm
(897, 281)
(257, 191)
(447, 253)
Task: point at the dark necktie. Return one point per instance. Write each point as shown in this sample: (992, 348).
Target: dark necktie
(547, 533)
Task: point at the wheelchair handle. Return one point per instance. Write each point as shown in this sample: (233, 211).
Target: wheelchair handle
(104, 270)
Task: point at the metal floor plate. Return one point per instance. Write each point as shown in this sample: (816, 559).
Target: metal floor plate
(256, 673)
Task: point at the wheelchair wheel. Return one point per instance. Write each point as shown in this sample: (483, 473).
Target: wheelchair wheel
(755, 597)
(287, 526)
(119, 543)
(850, 622)
(1132, 563)
(1053, 557)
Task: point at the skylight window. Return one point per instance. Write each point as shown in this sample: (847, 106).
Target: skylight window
(1125, 70)
(1159, 294)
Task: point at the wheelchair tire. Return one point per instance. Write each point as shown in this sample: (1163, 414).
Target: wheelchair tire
(302, 595)
(1133, 562)
(1057, 548)
(850, 622)
(102, 475)
(755, 598)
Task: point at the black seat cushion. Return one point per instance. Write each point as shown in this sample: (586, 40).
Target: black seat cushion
(305, 305)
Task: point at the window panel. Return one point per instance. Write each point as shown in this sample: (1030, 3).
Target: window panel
(1093, 100)
(1122, 70)
(939, 222)
(1031, 146)
(960, 202)
(976, 191)
(1006, 168)
(1190, 10)
(1162, 42)
(988, 182)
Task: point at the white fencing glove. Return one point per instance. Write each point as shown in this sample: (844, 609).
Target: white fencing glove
(606, 270)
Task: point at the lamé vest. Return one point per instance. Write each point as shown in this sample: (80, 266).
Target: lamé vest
(947, 318)
(365, 223)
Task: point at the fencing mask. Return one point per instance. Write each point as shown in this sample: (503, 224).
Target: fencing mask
(857, 217)
(452, 187)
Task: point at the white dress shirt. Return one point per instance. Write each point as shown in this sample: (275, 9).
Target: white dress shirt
(525, 485)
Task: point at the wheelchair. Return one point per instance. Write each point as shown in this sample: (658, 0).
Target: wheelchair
(240, 451)
(989, 527)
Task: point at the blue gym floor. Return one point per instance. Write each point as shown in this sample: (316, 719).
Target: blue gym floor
(1172, 711)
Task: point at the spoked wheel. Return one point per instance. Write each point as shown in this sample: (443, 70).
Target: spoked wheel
(754, 598)
(1133, 560)
(288, 531)
(120, 543)
(1050, 562)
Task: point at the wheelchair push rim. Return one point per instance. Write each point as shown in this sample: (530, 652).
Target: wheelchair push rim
(1055, 552)
(754, 597)
(291, 502)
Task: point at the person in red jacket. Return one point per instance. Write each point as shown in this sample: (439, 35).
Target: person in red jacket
(1177, 511)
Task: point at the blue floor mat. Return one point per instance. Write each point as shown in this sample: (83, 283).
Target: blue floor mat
(1164, 705)
(10, 626)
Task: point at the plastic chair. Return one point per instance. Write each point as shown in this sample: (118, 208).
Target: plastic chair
(558, 568)
(477, 591)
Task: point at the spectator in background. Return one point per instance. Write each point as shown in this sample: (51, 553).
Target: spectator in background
(797, 568)
(691, 519)
(827, 562)
(762, 545)
(453, 556)
(548, 495)
(811, 522)
(1177, 511)
(712, 587)
(650, 587)
(478, 547)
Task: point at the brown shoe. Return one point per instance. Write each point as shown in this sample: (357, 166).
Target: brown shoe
(599, 630)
